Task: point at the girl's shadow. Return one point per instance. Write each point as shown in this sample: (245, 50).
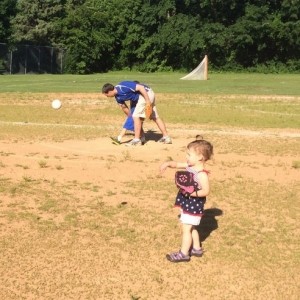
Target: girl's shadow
(208, 222)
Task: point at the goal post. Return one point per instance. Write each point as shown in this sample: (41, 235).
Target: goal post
(200, 72)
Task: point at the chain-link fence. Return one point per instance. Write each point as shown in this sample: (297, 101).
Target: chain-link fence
(24, 59)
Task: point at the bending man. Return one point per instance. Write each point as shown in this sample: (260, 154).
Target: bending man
(143, 95)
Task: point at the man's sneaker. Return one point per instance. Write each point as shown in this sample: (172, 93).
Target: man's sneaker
(115, 140)
(165, 140)
(143, 140)
(196, 252)
(134, 142)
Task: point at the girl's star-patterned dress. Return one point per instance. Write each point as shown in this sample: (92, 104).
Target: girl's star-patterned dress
(191, 205)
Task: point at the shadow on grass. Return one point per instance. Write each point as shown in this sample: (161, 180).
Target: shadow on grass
(152, 135)
(208, 222)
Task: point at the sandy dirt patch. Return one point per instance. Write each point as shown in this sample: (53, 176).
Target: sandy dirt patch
(108, 236)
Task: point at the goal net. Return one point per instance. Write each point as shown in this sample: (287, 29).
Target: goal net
(200, 73)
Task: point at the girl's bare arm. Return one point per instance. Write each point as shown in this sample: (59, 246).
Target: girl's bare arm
(172, 164)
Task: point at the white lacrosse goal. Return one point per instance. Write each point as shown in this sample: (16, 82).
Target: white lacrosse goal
(200, 73)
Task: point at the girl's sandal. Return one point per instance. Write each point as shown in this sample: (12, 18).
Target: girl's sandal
(177, 257)
(196, 252)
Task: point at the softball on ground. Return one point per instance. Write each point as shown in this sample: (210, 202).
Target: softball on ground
(56, 104)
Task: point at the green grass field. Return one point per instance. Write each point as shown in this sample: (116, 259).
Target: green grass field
(227, 83)
(250, 101)
(83, 219)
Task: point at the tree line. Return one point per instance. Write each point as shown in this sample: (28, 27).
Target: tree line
(159, 35)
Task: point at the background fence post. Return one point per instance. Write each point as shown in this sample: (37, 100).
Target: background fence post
(10, 62)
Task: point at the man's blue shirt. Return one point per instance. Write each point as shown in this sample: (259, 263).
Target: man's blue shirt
(127, 91)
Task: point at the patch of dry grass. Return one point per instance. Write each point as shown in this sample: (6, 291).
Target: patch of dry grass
(64, 238)
(61, 243)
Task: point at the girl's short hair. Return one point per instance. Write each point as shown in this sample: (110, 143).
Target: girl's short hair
(201, 146)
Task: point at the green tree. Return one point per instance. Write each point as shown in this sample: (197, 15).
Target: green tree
(152, 52)
(286, 31)
(7, 10)
(261, 36)
(178, 44)
(35, 20)
(150, 35)
(89, 37)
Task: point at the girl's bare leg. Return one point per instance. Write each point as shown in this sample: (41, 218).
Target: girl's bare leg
(186, 238)
(196, 239)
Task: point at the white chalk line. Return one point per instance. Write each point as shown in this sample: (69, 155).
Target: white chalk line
(237, 132)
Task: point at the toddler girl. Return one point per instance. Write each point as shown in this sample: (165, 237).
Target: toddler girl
(191, 206)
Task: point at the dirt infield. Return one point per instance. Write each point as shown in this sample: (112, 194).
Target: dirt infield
(86, 219)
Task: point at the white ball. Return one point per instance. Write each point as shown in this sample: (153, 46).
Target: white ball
(56, 104)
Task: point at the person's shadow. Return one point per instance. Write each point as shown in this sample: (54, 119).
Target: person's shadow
(152, 135)
(208, 222)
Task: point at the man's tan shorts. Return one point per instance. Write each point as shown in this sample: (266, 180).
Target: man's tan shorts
(139, 111)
